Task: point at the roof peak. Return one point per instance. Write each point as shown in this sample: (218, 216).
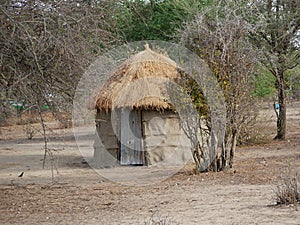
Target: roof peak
(147, 47)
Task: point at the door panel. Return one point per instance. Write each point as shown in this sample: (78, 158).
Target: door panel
(131, 138)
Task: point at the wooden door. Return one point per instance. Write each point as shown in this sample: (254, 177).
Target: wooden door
(131, 137)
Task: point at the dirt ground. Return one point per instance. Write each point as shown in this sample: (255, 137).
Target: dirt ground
(82, 195)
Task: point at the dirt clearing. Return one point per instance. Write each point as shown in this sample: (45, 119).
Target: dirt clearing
(79, 195)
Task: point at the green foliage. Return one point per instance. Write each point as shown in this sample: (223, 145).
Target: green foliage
(154, 20)
(264, 84)
(193, 90)
(293, 78)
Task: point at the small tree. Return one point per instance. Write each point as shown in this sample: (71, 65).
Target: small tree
(219, 36)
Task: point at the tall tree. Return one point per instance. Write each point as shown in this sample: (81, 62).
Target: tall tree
(277, 34)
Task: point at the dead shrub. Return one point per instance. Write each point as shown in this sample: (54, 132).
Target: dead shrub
(29, 130)
(288, 193)
(157, 219)
(258, 127)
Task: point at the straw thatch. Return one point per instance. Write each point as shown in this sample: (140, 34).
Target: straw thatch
(141, 82)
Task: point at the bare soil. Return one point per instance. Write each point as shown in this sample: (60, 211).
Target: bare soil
(79, 194)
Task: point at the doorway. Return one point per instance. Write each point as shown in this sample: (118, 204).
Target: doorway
(131, 138)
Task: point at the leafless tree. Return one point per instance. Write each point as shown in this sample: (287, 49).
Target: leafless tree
(45, 47)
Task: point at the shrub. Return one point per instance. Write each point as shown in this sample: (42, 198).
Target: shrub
(289, 192)
(157, 219)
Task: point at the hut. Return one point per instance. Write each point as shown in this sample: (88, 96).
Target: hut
(135, 121)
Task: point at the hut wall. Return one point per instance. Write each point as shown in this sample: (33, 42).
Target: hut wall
(164, 141)
(106, 146)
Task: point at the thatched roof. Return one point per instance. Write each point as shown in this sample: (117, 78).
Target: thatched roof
(141, 82)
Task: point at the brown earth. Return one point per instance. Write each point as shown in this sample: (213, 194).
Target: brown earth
(82, 195)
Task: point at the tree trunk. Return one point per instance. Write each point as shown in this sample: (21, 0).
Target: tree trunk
(281, 117)
(224, 155)
(232, 148)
